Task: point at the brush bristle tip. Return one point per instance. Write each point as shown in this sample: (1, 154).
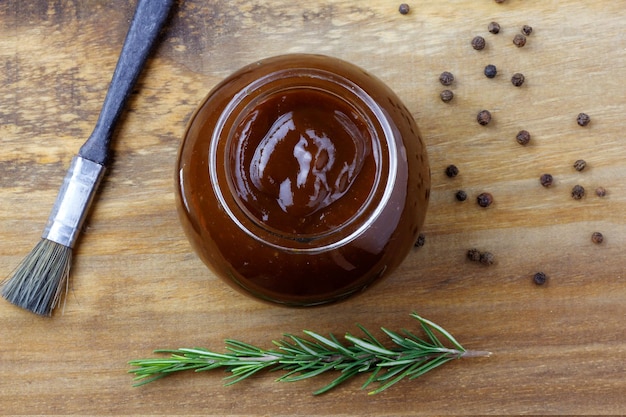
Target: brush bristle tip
(40, 279)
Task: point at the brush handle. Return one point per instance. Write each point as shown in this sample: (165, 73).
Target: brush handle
(147, 22)
(87, 168)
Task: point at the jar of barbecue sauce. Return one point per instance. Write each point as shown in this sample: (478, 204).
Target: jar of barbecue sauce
(302, 180)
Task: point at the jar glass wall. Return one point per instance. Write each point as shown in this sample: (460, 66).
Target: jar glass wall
(302, 180)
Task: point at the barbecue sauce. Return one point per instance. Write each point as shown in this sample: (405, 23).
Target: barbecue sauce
(302, 180)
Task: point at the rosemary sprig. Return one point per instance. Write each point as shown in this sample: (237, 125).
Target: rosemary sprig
(302, 358)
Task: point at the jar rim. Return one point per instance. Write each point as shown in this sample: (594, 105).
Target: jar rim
(380, 131)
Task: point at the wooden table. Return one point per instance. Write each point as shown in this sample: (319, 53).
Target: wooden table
(137, 285)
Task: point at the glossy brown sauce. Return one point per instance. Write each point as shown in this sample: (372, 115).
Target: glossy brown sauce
(295, 155)
(302, 180)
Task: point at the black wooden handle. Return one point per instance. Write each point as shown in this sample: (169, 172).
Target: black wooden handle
(147, 22)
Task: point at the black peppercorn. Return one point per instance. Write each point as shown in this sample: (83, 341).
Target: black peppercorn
(473, 255)
(478, 43)
(461, 195)
(597, 237)
(578, 192)
(546, 180)
(421, 240)
(494, 27)
(483, 117)
(484, 199)
(490, 71)
(517, 79)
(452, 171)
(404, 8)
(519, 40)
(487, 258)
(446, 96)
(540, 278)
(580, 165)
(527, 30)
(523, 137)
(583, 119)
(446, 78)
(600, 191)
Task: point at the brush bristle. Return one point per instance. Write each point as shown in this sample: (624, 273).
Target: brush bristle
(39, 281)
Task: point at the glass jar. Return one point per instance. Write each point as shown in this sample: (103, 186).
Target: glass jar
(302, 180)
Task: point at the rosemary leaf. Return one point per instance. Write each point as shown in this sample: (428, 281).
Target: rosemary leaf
(368, 347)
(241, 373)
(372, 378)
(370, 337)
(344, 376)
(427, 325)
(335, 345)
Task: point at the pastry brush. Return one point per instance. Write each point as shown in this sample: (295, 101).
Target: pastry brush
(39, 281)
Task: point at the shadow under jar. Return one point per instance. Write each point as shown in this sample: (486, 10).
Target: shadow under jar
(302, 180)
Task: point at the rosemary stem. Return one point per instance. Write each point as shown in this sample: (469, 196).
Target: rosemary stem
(301, 358)
(475, 354)
(333, 358)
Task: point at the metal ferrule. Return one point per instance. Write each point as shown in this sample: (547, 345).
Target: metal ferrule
(73, 201)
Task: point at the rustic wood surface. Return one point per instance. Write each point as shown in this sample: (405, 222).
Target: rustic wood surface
(137, 285)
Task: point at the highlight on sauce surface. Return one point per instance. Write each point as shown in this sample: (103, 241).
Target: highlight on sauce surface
(296, 154)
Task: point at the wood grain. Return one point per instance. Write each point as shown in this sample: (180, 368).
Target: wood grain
(137, 285)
